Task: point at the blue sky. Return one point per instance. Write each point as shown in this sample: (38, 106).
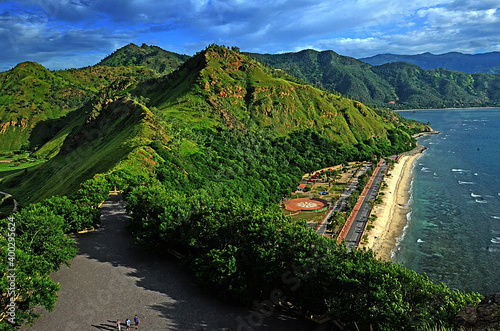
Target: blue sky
(75, 33)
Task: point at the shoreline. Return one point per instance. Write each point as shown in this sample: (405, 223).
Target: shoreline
(392, 213)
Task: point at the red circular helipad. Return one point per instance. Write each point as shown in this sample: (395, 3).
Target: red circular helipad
(306, 204)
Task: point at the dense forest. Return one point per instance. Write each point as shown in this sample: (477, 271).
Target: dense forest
(203, 165)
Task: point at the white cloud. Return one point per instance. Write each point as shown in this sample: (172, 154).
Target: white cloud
(350, 27)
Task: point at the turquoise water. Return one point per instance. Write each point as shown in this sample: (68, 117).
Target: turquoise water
(453, 234)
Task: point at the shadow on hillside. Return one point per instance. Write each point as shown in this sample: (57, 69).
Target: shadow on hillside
(190, 308)
(45, 130)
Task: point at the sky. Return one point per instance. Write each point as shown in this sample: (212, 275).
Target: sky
(63, 34)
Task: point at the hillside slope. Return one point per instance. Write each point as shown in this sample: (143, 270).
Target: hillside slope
(152, 57)
(31, 94)
(439, 88)
(413, 87)
(333, 72)
(112, 134)
(223, 87)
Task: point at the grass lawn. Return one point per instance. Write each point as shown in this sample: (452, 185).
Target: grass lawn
(310, 217)
(11, 162)
(18, 165)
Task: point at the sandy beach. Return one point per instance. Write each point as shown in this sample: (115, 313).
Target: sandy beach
(391, 213)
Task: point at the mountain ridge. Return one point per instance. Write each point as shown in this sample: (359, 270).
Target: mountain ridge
(469, 63)
(239, 90)
(30, 93)
(152, 57)
(398, 85)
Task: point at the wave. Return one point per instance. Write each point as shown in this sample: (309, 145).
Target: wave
(481, 201)
(465, 183)
(459, 170)
(495, 240)
(403, 234)
(424, 169)
(496, 217)
(475, 195)
(420, 241)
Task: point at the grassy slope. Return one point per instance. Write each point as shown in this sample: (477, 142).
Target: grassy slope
(122, 128)
(30, 94)
(220, 86)
(152, 57)
(333, 72)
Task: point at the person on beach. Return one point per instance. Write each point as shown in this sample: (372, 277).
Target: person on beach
(136, 321)
(127, 323)
(118, 325)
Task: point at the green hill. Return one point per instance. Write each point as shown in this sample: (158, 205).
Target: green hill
(439, 88)
(397, 85)
(31, 94)
(223, 87)
(152, 57)
(107, 136)
(334, 72)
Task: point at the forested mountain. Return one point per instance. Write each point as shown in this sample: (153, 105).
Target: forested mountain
(203, 156)
(395, 85)
(152, 57)
(488, 63)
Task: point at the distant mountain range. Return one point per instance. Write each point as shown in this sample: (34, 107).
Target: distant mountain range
(469, 63)
(398, 85)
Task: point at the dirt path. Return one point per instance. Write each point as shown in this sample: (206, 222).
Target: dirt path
(111, 279)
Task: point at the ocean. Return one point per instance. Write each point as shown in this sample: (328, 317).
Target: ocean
(453, 232)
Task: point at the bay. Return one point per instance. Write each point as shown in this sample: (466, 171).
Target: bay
(453, 233)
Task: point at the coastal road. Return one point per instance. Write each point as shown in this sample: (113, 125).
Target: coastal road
(340, 204)
(111, 278)
(358, 226)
